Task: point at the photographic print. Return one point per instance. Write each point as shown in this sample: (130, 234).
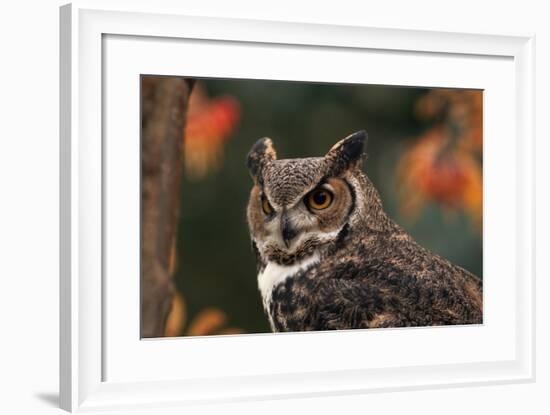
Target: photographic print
(282, 206)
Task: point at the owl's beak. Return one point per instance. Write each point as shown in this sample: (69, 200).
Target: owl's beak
(287, 231)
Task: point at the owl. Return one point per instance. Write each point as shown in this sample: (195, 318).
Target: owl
(330, 258)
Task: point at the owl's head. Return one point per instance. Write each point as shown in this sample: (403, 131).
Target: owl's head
(299, 206)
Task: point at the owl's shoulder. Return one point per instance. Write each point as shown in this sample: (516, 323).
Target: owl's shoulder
(387, 284)
(390, 257)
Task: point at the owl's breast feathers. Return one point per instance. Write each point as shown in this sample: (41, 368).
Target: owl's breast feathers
(385, 281)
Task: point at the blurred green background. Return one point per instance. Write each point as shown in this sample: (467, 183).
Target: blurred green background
(215, 264)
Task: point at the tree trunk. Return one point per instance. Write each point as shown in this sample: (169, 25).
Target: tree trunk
(164, 107)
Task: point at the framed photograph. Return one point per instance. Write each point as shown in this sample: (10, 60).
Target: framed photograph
(258, 209)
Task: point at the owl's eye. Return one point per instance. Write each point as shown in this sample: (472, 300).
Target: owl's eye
(319, 199)
(266, 207)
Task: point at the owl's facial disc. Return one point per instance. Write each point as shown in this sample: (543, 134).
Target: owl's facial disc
(309, 222)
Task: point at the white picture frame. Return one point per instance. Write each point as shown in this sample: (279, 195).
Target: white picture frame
(96, 353)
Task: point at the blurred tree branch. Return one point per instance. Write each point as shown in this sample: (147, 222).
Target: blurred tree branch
(164, 108)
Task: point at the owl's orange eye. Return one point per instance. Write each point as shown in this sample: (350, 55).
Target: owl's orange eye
(319, 199)
(266, 207)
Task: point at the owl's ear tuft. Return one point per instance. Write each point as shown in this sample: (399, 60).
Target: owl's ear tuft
(261, 153)
(347, 153)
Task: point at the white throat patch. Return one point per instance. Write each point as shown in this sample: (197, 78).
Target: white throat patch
(273, 274)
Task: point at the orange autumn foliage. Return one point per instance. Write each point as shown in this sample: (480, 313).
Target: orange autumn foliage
(210, 123)
(209, 321)
(462, 109)
(443, 165)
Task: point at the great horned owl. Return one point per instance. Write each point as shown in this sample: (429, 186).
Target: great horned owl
(330, 258)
